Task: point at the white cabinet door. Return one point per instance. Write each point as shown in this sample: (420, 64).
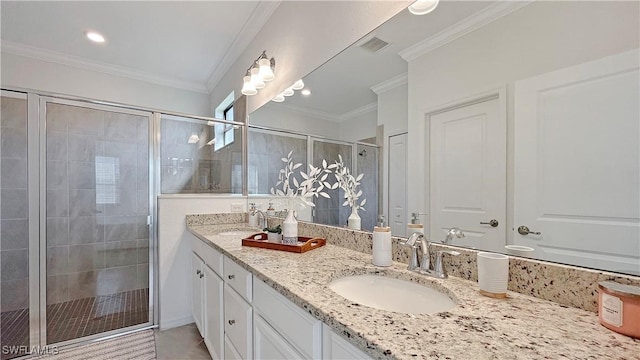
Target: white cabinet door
(213, 313)
(268, 344)
(335, 347)
(196, 291)
(468, 174)
(576, 164)
(238, 320)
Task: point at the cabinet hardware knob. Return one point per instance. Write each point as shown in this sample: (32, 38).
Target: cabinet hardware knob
(523, 230)
(198, 272)
(493, 223)
(201, 276)
(231, 322)
(231, 277)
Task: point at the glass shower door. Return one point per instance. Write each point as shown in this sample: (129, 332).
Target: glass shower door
(97, 210)
(14, 227)
(330, 211)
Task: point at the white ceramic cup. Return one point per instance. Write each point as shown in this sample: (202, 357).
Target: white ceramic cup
(493, 274)
(519, 250)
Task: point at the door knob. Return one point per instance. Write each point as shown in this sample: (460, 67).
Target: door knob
(493, 223)
(523, 230)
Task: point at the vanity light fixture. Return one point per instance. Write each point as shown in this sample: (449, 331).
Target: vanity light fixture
(194, 138)
(94, 36)
(260, 72)
(298, 85)
(423, 7)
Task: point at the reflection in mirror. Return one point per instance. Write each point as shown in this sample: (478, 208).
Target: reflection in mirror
(267, 147)
(528, 119)
(200, 156)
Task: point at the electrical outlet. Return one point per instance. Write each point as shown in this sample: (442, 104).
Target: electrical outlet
(237, 207)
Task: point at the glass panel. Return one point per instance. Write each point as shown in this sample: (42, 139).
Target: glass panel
(200, 156)
(330, 211)
(367, 163)
(97, 235)
(14, 227)
(266, 149)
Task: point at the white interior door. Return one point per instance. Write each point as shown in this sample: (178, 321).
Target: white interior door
(577, 164)
(468, 174)
(398, 184)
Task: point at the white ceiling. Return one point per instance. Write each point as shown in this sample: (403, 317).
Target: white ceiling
(188, 44)
(342, 85)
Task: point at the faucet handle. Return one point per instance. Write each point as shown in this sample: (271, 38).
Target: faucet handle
(440, 271)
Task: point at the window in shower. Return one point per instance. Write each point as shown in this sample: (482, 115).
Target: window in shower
(200, 156)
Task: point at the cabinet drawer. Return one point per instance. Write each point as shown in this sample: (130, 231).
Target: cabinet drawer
(299, 328)
(210, 256)
(238, 278)
(238, 322)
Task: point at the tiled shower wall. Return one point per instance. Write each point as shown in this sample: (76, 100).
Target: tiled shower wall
(198, 167)
(14, 246)
(97, 202)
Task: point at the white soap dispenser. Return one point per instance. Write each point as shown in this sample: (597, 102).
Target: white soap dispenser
(253, 215)
(415, 226)
(382, 255)
(271, 212)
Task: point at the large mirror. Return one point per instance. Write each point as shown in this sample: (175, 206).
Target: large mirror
(517, 122)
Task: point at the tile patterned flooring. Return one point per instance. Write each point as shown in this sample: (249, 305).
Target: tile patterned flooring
(78, 318)
(181, 343)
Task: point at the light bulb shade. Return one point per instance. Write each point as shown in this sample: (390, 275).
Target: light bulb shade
(265, 71)
(423, 7)
(278, 98)
(298, 85)
(288, 92)
(255, 78)
(247, 86)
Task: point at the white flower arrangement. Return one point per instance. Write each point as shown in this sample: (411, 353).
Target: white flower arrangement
(292, 192)
(349, 184)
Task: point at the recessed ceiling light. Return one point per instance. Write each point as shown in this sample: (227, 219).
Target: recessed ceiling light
(94, 36)
(305, 92)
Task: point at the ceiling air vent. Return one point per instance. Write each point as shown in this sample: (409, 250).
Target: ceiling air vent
(374, 44)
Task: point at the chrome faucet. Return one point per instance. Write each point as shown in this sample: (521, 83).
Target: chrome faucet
(438, 271)
(454, 231)
(425, 263)
(262, 224)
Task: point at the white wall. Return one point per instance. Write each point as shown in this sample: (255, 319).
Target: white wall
(393, 116)
(358, 127)
(302, 35)
(32, 74)
(174, 251)
(278, 116)
(541, 37)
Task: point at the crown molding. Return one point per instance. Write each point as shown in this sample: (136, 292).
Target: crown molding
(310, 112)
(359, 111)
(250, 29)
(390, 84)
(472, 23)
(33, 52)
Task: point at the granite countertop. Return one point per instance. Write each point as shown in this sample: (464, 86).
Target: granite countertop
(519, 327)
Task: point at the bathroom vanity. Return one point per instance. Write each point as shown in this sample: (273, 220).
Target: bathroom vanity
(283, 307)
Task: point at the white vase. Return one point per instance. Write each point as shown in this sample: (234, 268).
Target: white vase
(354, 220)
(290, 229)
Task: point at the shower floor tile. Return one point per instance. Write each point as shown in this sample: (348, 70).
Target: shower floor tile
(78, 318)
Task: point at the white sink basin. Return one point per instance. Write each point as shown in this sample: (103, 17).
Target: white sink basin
(391, 294)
